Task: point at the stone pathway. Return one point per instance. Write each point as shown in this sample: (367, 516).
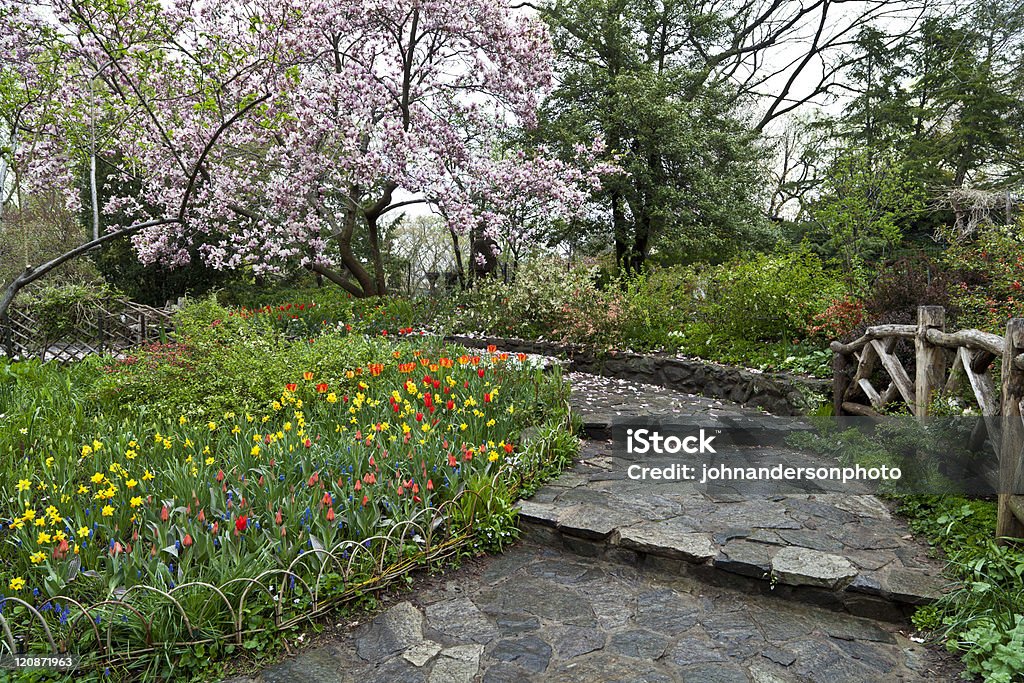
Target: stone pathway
(619, 580)
(827, 546)
(537, 613)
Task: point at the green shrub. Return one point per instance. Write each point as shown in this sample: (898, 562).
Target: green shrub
(219, 362)
(768, 297)
(61, 309)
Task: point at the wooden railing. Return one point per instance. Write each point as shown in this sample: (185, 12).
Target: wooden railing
(942, 362)
(109, 327)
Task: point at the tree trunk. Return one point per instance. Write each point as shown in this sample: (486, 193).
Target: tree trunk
(459, 268)
(373, 231)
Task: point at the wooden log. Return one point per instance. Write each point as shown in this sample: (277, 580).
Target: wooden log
(895, 369)
(872, 333)
(930, 361)
(981, 384)
(972, 339)
(865, 369)
(956, 375)
(840, 381)
(1012, 441)
(871, 393)
(860, 409)
(981, 360)
(1016, 505)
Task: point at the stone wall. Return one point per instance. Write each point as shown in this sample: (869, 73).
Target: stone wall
(778, 393)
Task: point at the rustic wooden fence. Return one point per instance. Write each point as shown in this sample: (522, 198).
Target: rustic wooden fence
(107, 327)
(942, 362)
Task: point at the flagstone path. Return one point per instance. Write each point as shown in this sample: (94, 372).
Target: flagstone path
(619, 580)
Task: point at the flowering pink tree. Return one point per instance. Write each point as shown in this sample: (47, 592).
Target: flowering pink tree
(272, 134)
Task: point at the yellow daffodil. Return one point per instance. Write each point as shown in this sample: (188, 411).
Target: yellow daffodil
(107, 511)
(212, 426)
(136, 501)
(16, 584)
(147, 475)
(97, 478)
(43, 537)
(255, 451)
(24, 485)
(37, 557)
(131, 483)
(209, 461)
(83, 532)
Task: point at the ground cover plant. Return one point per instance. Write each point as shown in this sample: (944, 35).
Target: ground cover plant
(140, 505)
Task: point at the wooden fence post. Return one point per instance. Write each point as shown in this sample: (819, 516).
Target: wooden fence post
(840, 380)
(930, 361)
(1008, 524)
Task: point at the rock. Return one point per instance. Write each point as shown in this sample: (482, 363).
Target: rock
(666, 541)
(863, 506)
(573, 641)
(538, 513)
(593, 522)
(778, 655)
(744, 558)
(666, 611)
(804, 567)
(714, 673)
(457, 664)
(390, 633)
(911, 586)
(517, 623)
(529, 653)
(461, 620)
(420, 654)
(639, 643)
(312, 665)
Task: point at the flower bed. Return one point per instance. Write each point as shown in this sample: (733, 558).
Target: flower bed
(208, 530)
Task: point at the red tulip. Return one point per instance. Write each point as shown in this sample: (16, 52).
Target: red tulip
(307, 443)
(220, 476)
(278, 517)
(164, 514)
(291, 386)
(216, 525)
(330, 514)
(241, 523)
(326, 500)
(202, 516)
(187, 541)
(359, 485)
(480, 372)
(430, 484)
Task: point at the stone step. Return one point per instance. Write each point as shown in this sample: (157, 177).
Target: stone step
(837, 549)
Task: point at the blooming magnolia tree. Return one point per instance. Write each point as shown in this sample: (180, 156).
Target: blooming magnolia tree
(275, 134)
